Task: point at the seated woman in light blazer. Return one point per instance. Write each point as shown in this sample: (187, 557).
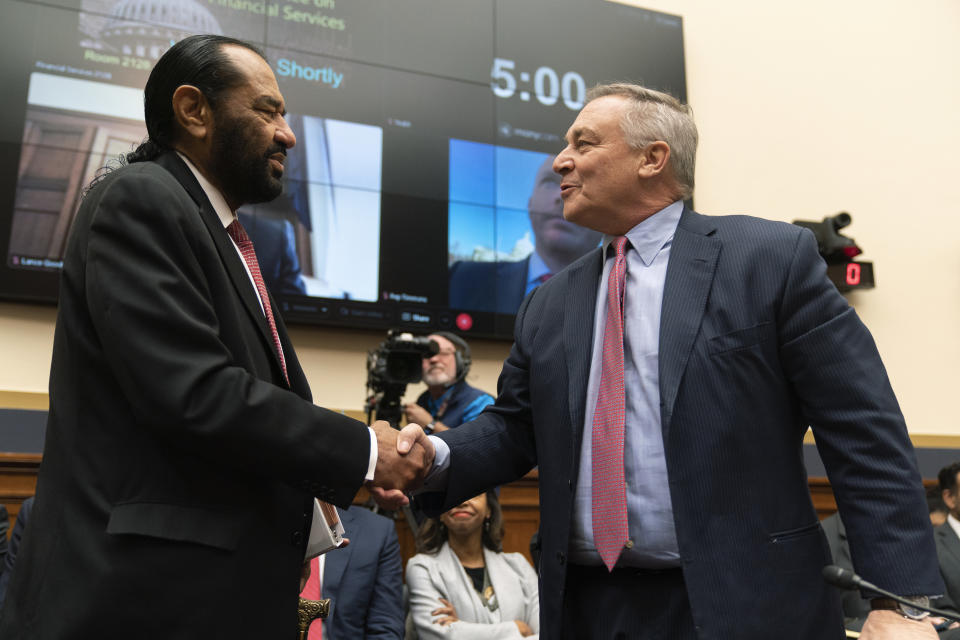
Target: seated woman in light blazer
(463, 587)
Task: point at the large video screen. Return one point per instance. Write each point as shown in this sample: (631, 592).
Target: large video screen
(420, 193)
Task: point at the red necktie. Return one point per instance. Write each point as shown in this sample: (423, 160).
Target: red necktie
(239, 235)
(311, 591)
(543, 277)
(609, 484)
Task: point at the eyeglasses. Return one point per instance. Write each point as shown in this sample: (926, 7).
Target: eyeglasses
(442, 352)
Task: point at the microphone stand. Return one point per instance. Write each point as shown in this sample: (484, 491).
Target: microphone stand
(846, 579)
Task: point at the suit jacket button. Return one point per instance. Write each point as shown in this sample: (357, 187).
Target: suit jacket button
(561, 558)
(296, 538)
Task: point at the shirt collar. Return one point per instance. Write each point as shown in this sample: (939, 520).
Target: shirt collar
(536, 267)
(954, 524)
(213, 194)
(653, 233)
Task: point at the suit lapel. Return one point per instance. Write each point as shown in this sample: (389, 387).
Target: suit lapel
(949, 540)
(693, 262)
(578, 317)
(225, 247)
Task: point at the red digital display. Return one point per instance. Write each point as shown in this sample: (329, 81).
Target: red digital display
(851, 275)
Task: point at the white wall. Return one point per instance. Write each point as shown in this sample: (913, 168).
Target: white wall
(804, 110)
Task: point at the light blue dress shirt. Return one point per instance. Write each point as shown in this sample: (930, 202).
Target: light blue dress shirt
(649, 510)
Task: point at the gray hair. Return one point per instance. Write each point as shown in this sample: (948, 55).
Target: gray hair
(653, 116)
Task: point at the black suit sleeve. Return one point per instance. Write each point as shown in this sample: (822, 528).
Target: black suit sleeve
(498, 446)
(157, 312)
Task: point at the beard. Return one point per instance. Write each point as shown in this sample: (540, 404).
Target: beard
(437, 378)
(244, 171)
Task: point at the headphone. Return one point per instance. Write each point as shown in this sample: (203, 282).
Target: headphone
(461, 354)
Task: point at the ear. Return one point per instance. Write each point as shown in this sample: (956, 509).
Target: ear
(949, 499)
(653, 159)
(192, 112)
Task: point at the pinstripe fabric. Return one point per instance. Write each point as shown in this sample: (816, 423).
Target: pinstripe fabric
(756, 344)
(239, 235)
(609, 483)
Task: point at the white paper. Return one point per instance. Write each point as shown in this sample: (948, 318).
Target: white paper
(323, 537)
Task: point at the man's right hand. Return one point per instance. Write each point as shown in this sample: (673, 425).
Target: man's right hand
(417, 414)
(403, 460)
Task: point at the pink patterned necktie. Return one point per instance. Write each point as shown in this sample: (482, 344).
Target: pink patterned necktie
(311, 591)
(239, 235)
(609, 484)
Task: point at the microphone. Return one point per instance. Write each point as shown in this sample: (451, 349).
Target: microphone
(847, 579)
(840, 577)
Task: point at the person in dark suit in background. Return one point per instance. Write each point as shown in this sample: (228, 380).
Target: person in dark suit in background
(183, 453)
(364, 581)
(501, 286)
(16, 537)
(663, 385)
(4, 528)
(948, 534)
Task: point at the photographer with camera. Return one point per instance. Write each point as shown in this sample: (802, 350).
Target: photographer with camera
(448, 401)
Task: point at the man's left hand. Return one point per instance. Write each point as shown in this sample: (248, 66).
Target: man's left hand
(883, 624)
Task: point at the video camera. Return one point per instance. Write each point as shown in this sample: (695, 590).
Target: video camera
(393, 365)
(835, 247)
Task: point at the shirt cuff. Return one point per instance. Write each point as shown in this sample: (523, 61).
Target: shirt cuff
(436, 479)
(372, 463)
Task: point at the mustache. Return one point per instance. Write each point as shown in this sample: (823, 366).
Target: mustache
(274, 149)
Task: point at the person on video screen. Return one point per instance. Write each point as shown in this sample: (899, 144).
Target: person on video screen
(275, 242)
(501, 286)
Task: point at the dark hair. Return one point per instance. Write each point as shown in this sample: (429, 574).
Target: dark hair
(198, 61)
(433, 533)
(948, 477)
(935, 499)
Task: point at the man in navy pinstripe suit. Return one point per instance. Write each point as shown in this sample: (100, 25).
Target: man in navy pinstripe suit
(734, 343)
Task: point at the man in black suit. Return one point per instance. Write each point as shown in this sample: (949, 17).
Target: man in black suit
(501, 286)
(183, 453)
(663, 385)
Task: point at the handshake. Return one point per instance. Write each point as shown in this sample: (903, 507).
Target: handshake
(404, 458)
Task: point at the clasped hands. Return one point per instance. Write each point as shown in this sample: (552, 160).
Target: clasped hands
(404, 458)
